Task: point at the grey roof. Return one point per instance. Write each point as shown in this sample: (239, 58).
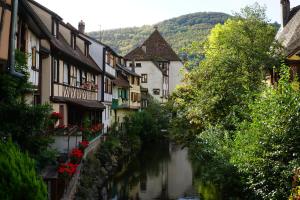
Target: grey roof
(289, 35)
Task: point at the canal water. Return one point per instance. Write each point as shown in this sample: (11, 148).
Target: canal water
(160, 171)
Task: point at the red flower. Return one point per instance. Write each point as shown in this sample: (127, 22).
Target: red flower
(61, 126)
(76, 155)
(67, 170)
(83, 145)
(56, 115)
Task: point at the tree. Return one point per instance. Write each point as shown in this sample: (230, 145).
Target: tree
(237, 55)
(18, 176)
(266, 148)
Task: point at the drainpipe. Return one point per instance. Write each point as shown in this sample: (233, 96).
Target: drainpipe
(12, 41)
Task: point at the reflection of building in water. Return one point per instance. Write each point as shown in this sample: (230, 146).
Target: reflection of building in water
(174, 180)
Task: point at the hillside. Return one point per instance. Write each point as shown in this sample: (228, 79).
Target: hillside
(179, 31)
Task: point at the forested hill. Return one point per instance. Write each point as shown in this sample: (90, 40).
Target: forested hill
(179, 31)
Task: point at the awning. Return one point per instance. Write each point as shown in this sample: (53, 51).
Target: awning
(87, 104)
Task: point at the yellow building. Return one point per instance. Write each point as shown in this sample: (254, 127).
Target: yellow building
(126, 93)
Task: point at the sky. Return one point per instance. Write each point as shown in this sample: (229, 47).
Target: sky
(110, 14)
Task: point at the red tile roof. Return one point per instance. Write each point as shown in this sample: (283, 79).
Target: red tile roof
(155, 48)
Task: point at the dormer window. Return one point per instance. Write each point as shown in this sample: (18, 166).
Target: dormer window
(55, 28)
(73, 41)
(86, 49)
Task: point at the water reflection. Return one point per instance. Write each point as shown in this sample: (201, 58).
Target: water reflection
(161, 171)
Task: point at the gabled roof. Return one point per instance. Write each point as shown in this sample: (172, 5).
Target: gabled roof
(60, 43)
(127, 71)
(289, 35)
(155, 48)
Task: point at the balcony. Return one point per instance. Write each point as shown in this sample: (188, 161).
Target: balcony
(61, 90)
(120, 103)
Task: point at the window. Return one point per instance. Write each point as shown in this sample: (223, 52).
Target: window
(77, 77)
(138, 81)
(66, 74)
(93, 79)
(55, 68)
(107, 58)
(73, 41)
(156, 91)
(130, 64)
(33, 58)
(86, 49)
(55, 28)
(144, 78)
(72, 75)
(108, 86)
(83, 77)
(132, 80)
(138, 64)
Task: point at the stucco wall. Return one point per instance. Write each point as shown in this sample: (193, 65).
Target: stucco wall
(155, 78)
(4, 40)
(46, 80)
(176, 72)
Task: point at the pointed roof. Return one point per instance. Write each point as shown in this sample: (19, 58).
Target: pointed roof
(155, 48)
(289, 35)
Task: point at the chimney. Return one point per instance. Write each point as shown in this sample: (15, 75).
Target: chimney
(286, 7)
(81, 27)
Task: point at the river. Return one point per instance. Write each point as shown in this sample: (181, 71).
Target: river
(160, 171)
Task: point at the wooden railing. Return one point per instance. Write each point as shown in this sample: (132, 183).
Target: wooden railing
(74, 92)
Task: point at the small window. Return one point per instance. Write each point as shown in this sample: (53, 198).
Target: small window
(86, 49)
(66, 74)
(77, 77)
(55, 28)
(144, 78)
(33, 58)
(93, 79)
(156, 91)
(55, 70)
(130, 64)
(83, 77)
(132, 80)
(138, 64)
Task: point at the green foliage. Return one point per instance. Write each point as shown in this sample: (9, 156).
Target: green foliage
(148, 123)
(266, 149)
(25, 124)
(18, 177)
(237, 57)
(179, 32)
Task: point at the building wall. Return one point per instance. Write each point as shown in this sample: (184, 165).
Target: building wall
(33, 41)
(46, 80)
(155, 78)
(96, 52)
(176, 72)
(5, 32)
(135, 88)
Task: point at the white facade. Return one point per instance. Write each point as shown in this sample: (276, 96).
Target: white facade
(33, 62)
(155, 79)
(176, 74)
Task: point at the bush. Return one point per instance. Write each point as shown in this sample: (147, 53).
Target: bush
(18, 177)
(266, 149)
(148, 123)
